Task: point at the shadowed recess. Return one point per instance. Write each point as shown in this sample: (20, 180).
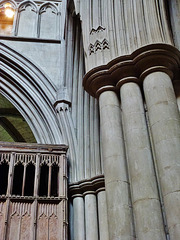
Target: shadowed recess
(13, 127)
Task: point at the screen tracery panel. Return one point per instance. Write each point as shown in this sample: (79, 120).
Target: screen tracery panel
(26, 212)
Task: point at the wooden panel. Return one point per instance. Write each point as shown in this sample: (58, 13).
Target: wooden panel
(32, 147)
(34, 217)
(26, 227)
(61, 219)
(53, 227)
(2, 218)
(20, 224)
(14, 225)
(42, 222)
(48, 223)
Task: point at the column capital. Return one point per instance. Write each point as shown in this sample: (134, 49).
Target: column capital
(133, 68)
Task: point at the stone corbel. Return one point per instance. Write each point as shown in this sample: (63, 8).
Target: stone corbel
(62, 102)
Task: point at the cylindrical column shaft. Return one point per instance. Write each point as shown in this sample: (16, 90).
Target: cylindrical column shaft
(102, 216)
(79, 220)
(177, 92)
(71, 220)
(145, 200)
(117, 186)
(91, 217)
(165, 126)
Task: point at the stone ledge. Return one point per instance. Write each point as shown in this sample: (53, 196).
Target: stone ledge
(25, 39)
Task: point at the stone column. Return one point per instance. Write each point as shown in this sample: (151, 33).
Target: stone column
(102, 216)
(116, 182)
(145, 200)
(177, 92)
(91, 217)
(165, 126)
(79, 221)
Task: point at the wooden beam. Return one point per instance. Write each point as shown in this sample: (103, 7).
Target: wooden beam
(13, 132)
(10, 112)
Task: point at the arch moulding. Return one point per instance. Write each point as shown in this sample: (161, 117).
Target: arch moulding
(32, 93)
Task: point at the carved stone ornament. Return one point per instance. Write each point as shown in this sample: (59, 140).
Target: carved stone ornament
(48, 5)
(26, 4)
(134, 67)
(13, 4)
(98, 45)
(97, 30)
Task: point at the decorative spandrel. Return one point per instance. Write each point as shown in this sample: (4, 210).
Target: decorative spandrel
(33, 192)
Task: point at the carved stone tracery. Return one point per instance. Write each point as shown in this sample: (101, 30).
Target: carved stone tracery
(47, 5)
(25, 4)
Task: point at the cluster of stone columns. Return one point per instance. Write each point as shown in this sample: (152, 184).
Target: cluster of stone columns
(145, 199)
(90, 216)
(131, 179)
(89, 209)
(116, 181)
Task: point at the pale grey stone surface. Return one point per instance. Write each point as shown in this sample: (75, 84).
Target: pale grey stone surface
(119, 213)
(143, 186)
(102, 216)
(174, 6)
(58, 110)
(116, 28)
(46, 56)
(27, 28)
(79, 221)
(91, 218)
(165, 126)
(177, 92)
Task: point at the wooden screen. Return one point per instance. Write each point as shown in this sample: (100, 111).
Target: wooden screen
(33, 192)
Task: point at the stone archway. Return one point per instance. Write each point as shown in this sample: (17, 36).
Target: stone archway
(31, 92)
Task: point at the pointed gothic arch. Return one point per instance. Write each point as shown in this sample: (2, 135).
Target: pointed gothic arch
(48, 21)
(7, 24)
(32, 93)
(26, 3)
(27, 9)
(12, 2)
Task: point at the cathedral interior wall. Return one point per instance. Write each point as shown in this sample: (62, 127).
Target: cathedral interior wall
(103, 78)
(46, 56)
